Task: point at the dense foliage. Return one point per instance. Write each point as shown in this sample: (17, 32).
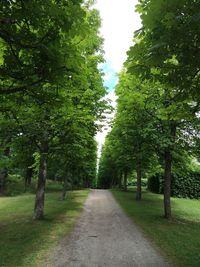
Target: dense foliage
(51, 93)
(157, 121)
(183, 185)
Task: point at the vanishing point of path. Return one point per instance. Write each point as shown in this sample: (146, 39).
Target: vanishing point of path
(105, 236)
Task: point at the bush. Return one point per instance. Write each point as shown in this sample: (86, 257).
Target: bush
(186, 186)
(134, 183)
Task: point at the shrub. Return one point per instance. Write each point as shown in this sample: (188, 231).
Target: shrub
(186, 186)
(134, 183)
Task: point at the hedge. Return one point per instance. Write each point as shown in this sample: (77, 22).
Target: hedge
(186, 186)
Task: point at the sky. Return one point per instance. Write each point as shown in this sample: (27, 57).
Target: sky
(119, 21)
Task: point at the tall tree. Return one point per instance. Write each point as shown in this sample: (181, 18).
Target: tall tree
(165, 52)
(51, 84)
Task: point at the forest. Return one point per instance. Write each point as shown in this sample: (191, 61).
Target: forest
(53, 103)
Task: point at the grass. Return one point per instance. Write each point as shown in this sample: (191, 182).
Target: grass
(179, 239)
(15, 186)
(25, 242)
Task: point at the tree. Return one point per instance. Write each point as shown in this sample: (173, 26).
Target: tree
(34, 44)
(58, 90)
(164, 53)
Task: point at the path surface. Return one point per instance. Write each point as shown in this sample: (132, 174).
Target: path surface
(105, 236)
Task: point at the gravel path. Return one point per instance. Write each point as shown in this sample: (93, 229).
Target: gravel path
(105, 236)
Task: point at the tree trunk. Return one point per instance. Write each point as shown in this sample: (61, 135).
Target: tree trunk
(64, 189)
(139, 179)
(168, 174)
(40, 193)
(28, 177)
(3, 178)
(120, 180)
(167, 184)
(67, 184)
(125, 181)
(4, 171)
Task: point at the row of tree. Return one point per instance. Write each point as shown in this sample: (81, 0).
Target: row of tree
(157, 121)
(50, 92)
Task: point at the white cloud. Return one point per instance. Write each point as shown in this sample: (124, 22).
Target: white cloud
(119, 21)
(112, 96)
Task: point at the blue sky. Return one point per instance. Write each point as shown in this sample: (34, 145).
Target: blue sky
(119, 21)
(110, 76)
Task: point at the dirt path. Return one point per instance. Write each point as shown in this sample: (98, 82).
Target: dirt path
(104, 236)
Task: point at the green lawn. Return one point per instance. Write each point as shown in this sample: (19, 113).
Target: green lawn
(25, 242)
(178, 240)
(15, 186)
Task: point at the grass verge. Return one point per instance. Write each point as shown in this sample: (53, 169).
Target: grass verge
(179, 239)
(25, 242)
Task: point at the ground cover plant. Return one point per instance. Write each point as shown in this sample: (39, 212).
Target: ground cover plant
(25, 242)
(177, 239)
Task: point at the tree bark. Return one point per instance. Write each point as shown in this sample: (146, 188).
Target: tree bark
(125, 180)
(139, 179)
(66, 185)
(28, 177)
(167, 184)
(168, 174)
(40, 193)
(4, 171)
(3, 178)
(120, 180)
(64, 189)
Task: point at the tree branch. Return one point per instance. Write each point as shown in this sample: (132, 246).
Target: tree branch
(7, 91)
